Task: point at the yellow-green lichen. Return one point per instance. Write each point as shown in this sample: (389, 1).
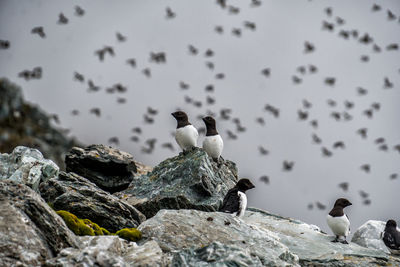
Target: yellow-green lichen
(130, 234)
(81, 226)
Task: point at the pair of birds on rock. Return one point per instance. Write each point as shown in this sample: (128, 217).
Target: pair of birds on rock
(235, 201)
(186, 135)
(340, 225)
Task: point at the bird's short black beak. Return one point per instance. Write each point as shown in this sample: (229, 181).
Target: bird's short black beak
(173, 114)
(350, 203)
(204, 119)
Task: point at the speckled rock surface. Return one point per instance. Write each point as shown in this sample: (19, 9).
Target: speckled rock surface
(314, 247)
(215, 254)
(110, 169)
(83, 198)
(109, 251)
(191, 181)
(369, 235)
(27, 166)
(30, 231)
(176, 230)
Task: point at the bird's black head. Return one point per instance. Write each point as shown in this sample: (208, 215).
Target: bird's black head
(179, 115)
(342, 202)
(209, 121)
(391, 223)
(244, 184)
(210, 125)
(181, 118)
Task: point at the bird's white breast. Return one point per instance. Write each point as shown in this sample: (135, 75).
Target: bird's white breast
(340, 226)
(186, 137)
(242, 203)
(213, 145)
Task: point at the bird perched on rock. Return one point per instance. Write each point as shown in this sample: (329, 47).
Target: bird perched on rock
(391, 237)
(235, 201)
(213, 143)
(338, 221)
(186, 134)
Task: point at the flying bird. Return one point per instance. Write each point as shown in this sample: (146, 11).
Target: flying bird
(39, 31)
(79, 11)
(4, 44)
(62, 19)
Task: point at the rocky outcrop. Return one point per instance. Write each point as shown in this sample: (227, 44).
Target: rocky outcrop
(197, 238)
(187, 181)
(110, 169)
(30, 231)
(176, 230)
(24, 124)
(27, 166)
(181, 194)
(109, 251)
(83, 198)
(312, 246)
(369, 235)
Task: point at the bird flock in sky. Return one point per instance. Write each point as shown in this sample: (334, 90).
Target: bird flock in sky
(341, 111)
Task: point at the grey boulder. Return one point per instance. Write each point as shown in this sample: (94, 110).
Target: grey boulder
(187, 181)
(110, 169)
(192, 234)
(109, 251)
(83, 198)
(30, 231)
(27, 166)
(369, 235)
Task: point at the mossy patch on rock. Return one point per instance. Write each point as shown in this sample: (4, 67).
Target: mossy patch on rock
(82, 226)
(130, 234)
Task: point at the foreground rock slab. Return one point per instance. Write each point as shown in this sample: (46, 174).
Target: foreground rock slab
(314, 247)
(187, 181)
(191, 230)
(83, 198)
(27, 166)
(109, 251)
(110, 169)
(30, 231)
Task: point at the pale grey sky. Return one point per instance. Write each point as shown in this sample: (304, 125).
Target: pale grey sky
(282, 27)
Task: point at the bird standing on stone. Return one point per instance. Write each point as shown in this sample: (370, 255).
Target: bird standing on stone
(235, 201)
(391, 237)
(213, 143)
(338, 220)
(186, 134)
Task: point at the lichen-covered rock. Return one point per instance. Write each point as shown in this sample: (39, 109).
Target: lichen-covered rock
(313, 247)
(187, 181)
(27, 166)
(109, 251)
(110, 169)
(81, 226)
(176, 230)
(24, 124)
(30, 231)
(129, 234)
(83, 198)
(216, 254)
(369, 235)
